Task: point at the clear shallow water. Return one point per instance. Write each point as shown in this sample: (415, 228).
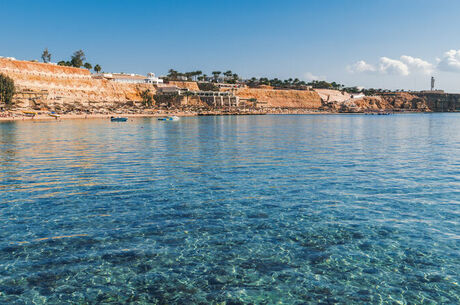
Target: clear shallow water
(327, 209)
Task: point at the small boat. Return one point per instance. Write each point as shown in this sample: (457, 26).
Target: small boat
(54, 115)
(169, 118)
(29, 113)
(118, 119)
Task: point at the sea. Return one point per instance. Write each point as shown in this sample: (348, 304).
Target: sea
(269, 209)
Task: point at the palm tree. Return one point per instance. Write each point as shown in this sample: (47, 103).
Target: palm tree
(198, 73)
(172, 74)
(216, 75)
(189, 75)
(228, 74)
(97, 68)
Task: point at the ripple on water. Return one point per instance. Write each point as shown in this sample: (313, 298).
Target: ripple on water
(231, 210)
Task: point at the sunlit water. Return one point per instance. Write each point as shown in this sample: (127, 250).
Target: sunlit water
(347, 209)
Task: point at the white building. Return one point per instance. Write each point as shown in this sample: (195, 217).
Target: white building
(152, 79)
(133, 78)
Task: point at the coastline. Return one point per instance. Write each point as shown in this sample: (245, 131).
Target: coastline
(46, 117)
(18, 115)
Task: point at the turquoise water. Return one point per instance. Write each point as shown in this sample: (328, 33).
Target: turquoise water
(321, 209)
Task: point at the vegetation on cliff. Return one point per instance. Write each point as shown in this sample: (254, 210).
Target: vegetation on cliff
(77, 60)
(7, 89)
(46, 56)
(97, 68)
(228, 76)
(147, 98)
(167, 100)
(208, 87)
(174, 75)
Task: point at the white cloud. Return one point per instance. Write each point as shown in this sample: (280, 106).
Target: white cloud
(311, 77)
(403, 66)
(406, 65)
(417, 64)
(393, 66)
(360, 67)
(450, 61)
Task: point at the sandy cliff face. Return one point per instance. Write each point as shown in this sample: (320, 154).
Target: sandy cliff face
(283, 98)
(41, 85)
(192, 86)
(328, 95)
(387, 102)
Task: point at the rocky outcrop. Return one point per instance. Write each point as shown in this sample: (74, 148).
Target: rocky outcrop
(386, 102)
(440, 102)
(405, 101)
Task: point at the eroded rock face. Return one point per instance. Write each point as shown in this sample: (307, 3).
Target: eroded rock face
(48, 86)
(386, 102)
(283, 98)
(192, 86)
(405, 101)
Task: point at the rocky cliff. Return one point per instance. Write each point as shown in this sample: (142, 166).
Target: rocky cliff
(440, 102)
(192, 86)
(282, 98)
(400, 101)
(49, 86)
(64, 89)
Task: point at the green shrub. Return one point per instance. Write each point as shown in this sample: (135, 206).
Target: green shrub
(7, 89)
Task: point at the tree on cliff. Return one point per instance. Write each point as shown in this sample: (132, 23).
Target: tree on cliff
(97, 68)
(228, 74)
(46, 56)
(147, 98)
(7, 89)
(78, 58)
(216, 75)
(88, 66)
(173, 74)
(197, 74)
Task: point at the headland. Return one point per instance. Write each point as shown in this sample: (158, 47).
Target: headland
(44, 88)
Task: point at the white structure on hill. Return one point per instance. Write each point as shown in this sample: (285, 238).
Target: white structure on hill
(131, 78)
(152, 79)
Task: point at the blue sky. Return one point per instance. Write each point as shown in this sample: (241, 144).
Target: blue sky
(355, 42)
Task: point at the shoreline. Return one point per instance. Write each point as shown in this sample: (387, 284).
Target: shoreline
(16, 116)
(45, 117)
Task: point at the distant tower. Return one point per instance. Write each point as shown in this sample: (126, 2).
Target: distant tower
(432, 83)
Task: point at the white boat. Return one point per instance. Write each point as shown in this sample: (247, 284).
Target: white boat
(54, 115)
(169, 118)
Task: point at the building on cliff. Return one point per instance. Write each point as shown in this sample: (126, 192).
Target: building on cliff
(152, 79)
(131, 78)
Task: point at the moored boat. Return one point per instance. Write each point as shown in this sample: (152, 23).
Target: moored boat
(169, 118)
(118, 119)
(29, 113)
(54, 115)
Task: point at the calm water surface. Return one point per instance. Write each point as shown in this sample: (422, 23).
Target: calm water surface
(345, 209)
